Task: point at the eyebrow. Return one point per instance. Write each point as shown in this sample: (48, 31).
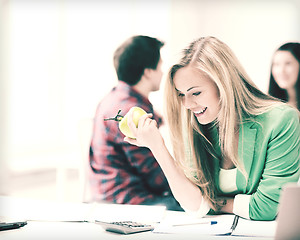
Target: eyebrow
(186, 90)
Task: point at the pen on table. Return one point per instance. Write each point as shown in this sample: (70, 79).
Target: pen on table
(196, 223)
(235, 222)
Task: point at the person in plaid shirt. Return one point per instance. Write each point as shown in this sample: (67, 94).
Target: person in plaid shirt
(120, 172)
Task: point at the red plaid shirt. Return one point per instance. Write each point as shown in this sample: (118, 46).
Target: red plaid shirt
(121, 172)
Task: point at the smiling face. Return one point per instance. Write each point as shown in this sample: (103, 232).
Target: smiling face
(285, 69)
(198, 93)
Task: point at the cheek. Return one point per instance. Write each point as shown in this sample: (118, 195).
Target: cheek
(216, 95)
(294, 76)
(213, 102)
(295, 71)
(217, 102)
(274, 70)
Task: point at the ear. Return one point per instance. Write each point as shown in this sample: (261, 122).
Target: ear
(148, 73)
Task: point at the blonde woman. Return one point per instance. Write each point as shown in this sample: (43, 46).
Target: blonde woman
(234, 147)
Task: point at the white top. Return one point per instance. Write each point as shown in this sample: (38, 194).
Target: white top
(227, 184)
(227, 180)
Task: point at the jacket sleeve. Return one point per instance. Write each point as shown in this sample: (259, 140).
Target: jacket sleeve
(282, 157)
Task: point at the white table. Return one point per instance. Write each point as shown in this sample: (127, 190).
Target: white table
(58, 212)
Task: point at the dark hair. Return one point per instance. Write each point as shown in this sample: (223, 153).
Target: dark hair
(134, 56)
(274, 89)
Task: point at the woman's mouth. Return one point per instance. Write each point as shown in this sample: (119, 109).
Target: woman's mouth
(201, 112)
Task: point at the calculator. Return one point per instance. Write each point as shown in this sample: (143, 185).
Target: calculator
(125, 227)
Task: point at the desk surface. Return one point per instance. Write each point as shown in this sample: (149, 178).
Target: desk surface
(90, 231)
(82, 230)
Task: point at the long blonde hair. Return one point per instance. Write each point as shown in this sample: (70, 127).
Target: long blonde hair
(240, 100)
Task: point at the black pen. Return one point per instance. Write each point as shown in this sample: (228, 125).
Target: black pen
(235, 222)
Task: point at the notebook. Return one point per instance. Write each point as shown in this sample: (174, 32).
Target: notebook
(288, 219)
(285, 227)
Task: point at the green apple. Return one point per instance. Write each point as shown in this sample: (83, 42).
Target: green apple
(123, 126)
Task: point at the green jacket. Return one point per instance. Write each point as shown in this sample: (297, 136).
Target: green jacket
(270, 151)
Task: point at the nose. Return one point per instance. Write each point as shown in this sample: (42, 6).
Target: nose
(281, 69)
(188, 102)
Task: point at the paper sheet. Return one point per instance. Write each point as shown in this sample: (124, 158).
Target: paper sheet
(255, 228)
(185, 223)
(202, 226)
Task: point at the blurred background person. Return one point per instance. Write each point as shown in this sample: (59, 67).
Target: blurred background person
(120, 172)
(284, 81)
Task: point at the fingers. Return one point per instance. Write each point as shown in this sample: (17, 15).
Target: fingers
(145, 120)
(144, 123)
(131, 141)
(145, 134)
(149, 122)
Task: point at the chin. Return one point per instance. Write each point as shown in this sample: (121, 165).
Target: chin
(204, 122)
(155, 89)
(284, 86)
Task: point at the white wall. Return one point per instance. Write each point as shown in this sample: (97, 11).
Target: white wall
(253, 29)
(3, 100)
(58, 57)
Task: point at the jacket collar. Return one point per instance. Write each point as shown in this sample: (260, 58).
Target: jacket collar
(247, 139)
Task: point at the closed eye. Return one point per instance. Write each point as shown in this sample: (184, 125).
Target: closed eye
(196, 93)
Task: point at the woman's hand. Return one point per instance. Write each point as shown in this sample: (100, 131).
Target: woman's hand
(147, 134)
(225, 205)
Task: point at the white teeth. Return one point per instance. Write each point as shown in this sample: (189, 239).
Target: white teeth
(200, 111)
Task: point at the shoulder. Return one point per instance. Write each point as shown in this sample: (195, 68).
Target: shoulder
(279, 114)
(279, 119)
